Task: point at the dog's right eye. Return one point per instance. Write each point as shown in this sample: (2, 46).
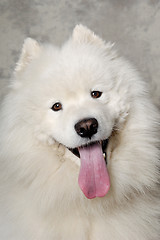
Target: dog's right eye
(96, 94)
(56, 107)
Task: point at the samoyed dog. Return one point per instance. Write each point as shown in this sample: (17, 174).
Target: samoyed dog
(79, 146)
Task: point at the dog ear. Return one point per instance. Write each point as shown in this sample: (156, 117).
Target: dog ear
(82, 34)
(30, 50)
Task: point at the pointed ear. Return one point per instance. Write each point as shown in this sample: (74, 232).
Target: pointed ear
(82, 34)
(30, 50)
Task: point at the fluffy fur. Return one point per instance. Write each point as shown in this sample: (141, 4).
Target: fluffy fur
(39, 193)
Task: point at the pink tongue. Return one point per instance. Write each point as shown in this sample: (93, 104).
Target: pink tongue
(93, 177)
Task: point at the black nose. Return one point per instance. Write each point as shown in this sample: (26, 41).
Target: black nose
(86, 128)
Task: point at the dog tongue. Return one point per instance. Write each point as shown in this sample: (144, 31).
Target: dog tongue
(93, 177)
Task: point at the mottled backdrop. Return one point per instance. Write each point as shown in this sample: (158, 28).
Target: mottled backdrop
(133, 24)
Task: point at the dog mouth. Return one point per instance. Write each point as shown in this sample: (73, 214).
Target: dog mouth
(103, 143)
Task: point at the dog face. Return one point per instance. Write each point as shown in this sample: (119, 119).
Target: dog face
(71, 85)
(75, 102)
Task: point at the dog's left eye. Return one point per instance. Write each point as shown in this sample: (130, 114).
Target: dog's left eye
(57, 106)
(96, 94)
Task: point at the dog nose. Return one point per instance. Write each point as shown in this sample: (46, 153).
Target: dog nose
(86, 128)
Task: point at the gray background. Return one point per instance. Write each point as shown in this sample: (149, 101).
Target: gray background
(133, 24)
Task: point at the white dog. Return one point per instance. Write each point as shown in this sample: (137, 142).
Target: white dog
(79, 146)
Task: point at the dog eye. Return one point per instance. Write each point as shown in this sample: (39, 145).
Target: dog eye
(96, 94)
(57, 106)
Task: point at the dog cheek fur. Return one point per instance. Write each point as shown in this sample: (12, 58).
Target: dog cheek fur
(133, 151)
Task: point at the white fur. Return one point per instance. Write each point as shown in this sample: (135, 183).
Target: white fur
(39, 194)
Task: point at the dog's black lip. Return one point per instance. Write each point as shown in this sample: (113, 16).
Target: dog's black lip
(103, 143)
(75, 152)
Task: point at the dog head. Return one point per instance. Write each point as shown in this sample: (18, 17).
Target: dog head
(73, 88)
(78, 95)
